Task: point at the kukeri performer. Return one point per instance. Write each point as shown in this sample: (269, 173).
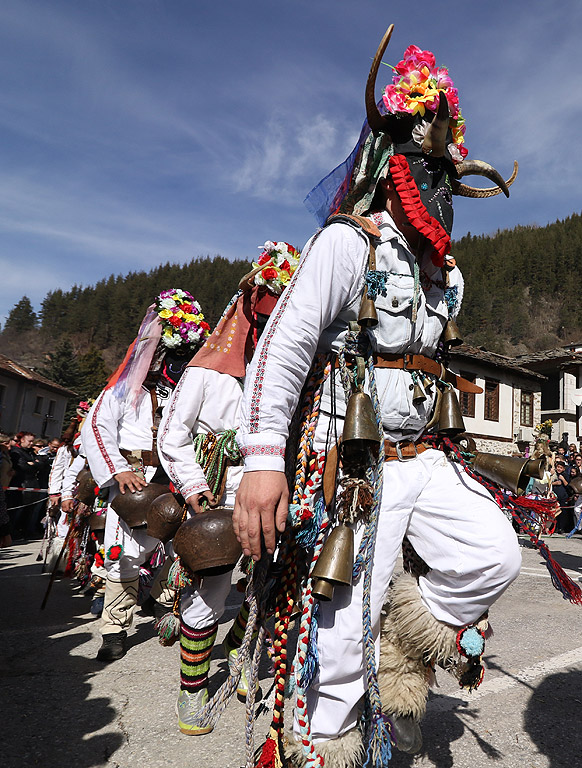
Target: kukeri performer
(120, 440)
(204, 411)
(386, 243)
(57, 523)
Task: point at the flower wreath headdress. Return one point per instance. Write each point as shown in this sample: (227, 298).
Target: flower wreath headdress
(183, 323)
(279, 262)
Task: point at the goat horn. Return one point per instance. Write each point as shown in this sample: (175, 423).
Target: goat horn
(435, 138)
(376, 121)
(480, 168)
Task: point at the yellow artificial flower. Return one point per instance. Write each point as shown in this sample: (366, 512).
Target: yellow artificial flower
(165, 313)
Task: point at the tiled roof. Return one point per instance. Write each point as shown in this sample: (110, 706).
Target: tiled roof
(492, 358)
(561, 354)
(20, 371)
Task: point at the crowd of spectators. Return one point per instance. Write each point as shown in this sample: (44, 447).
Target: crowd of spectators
(25, 466)
(564, 464)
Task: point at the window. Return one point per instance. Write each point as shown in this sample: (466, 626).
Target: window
(38, 405)
(527, 399)
(467, 399)
(51, 407)
(491, 412)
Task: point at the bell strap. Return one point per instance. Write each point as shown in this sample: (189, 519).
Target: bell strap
(138, 457)
(409, 362)
(156, 419)
(403, 449)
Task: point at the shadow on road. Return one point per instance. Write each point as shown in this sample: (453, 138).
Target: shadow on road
(552, 718)
(49, 717)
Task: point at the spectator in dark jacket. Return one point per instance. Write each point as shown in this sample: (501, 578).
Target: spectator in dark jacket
(565, 521)
(24, 514)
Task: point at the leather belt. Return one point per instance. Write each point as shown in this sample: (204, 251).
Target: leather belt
(410, 362)
(138, 456)
(403, 450)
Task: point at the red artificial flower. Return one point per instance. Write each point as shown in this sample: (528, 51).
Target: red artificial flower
(286, 266)
(115, 552)
(175, 321)
(98, 560)
(263, 258)
(186, 308)
(270, 273)
(204, 325)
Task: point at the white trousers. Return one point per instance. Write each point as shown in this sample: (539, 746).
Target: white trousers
(137, 547)
(458, 530)
(205, 605)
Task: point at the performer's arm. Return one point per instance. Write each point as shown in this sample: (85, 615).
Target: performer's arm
(329, 278)
(57, 473)
(100, 435)
(176, 434)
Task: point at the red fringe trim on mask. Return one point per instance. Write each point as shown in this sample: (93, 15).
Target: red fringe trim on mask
(414, 209)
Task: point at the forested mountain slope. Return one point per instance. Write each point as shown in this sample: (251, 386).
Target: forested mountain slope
(522, 293)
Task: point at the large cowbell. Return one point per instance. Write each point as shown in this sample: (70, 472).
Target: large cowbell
(335, 563)
(509, 472)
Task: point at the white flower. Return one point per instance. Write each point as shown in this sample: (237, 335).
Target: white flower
(167, 303)
(172, 341)
(455, 153)
(268, 246)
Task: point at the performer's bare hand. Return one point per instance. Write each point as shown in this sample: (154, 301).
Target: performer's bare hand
(261, 506)
(54, 499)
(197, 501)
(129, 481)
(67, 505)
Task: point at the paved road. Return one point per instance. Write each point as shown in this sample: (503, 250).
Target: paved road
(61, 708)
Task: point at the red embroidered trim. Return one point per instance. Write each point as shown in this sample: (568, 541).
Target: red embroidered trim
(414, 209)
(170, 466)
(263, 450)
(198, 488)
(259, 377)
(98, 438)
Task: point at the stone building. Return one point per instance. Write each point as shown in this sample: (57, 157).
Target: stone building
(30, 402)
(561, 397)
(502, 418)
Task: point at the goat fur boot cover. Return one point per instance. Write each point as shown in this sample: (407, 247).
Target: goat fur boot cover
(410, 636)
(346, 751)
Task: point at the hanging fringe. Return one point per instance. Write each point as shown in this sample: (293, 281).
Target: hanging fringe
(560, 579)
(311, 663)
(178, 577)
(168, 627)
(272, 753)
(158, 556)
(522, 510)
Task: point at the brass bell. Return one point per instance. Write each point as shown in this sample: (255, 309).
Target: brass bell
(360, 422)
(418, 395)
(427, 383)
(536, 467)
(367, 316)
(451, 335)
(450, 418)
(335, 563)
(509, 472)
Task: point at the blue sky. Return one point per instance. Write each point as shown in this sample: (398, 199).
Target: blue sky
(133, 132)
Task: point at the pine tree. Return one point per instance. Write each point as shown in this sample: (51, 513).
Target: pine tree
(21, 317)
(94, 373)
(63, 367)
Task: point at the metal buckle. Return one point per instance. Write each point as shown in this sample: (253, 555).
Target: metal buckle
(399, 455)
(406, 360)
